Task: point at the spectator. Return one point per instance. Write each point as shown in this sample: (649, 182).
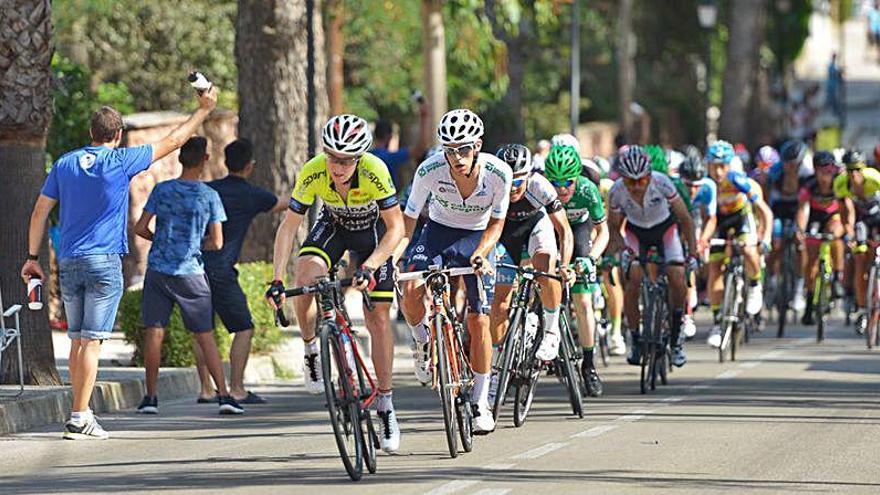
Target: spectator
(91, 184)
(242, 202)
(874, 23)
(397, 159)
(833, 87)
(540, 154)
(184, 208)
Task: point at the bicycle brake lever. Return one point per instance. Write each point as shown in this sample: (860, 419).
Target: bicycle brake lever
(368, 301)
(280, 319)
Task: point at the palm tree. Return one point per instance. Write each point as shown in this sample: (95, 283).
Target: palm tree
(25, 113)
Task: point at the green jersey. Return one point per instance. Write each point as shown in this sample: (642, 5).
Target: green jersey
(585, 204)
(682, 191)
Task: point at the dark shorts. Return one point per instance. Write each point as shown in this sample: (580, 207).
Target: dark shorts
(784, 209)
(228, 299)
(191, 292)
(451, 247)
(663, 236)
(329, 241)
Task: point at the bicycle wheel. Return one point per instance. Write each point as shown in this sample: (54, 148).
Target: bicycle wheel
(464, 412)
(821, 306)
(510, 350)
(647, 346)
(786, 290)
(729, 312)
(568, 360)
(370, 440)
(871, 303)
(343, 406)
(444, 372)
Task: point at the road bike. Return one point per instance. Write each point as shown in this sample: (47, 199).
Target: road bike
(822, 303)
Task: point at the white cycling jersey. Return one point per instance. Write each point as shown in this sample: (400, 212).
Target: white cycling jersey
(655, 208)
(540, 194)
(490, 198)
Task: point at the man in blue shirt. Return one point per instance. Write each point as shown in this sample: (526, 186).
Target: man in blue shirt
(185, 208)
(242, 202)
(397, 159)
(91, 184)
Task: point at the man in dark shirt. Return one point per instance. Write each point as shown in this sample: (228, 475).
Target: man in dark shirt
(242, 202)
(395, 160)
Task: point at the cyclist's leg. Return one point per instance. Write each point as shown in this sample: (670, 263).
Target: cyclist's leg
(324, 246)
(715, 290)
(747, 233)
(614, 304)
(673, 253)
(542, 250)
(503, 285)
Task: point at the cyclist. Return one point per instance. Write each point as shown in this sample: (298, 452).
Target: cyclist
(859, 188)
(585, 212)
(653, 211)
(470, 194)
(819, 207)
(614, 290)
(360, 215)
(704, 207)
(766, 158)
(737, 196)
(783, 183)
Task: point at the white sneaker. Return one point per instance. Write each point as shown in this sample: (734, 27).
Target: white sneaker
(421, 356)
(389, 433)
(86, 430)
(549, 348)
(679, 358)
(714, 339)
(754, 299)
(493, 387)
(312, 377)
(798, 302)
(617, 345)
(688, 327)
(483, 422)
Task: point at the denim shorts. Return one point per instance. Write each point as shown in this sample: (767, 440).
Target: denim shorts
(91, 288)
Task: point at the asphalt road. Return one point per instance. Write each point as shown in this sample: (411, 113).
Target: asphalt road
(789, 416)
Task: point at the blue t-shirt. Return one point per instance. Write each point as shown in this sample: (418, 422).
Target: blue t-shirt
(394, 160)
(183, 210)
(91, 186)
(242, 202)
(874, 20)
(706, 198)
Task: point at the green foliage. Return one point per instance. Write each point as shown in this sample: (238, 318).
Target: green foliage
(150, 46)
(75, 101)
(787, 31)
(177, 346)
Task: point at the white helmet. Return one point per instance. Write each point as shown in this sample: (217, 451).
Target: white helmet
(565, 140)
(634, 163)
(347, 134)
(459, 126)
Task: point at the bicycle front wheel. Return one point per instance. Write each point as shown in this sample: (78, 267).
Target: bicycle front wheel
(823, 282)
(446, 383)
(509, 353)
(568, 358)
(342, 403)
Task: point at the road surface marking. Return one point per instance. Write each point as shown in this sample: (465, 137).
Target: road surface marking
(498, 467)
(594, 431)
(493, 491)
(633, 416)
(542, 450)
(452, 487)
(749, 365)
(728, 374)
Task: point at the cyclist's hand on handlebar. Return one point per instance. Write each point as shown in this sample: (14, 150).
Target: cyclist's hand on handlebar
(364, 279)
(569, 275)
(692, 262)
(481, 266)
(275, 294)
(766, 246)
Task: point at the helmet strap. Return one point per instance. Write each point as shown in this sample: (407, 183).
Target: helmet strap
(473, 165)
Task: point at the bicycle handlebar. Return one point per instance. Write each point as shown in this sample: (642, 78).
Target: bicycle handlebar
(534, 272)
(315, 288)
(449, 272)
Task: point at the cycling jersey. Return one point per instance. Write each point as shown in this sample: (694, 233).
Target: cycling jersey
(540, 196)
(870, 189)
(585, 204)
(735, 192)
(706, 198)
(819, 201)
(371, 190)
(490, 199)
(655, 208)
(683, 191)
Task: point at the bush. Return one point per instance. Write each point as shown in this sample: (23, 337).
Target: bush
(177, 347)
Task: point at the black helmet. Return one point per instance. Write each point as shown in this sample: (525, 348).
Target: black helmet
(825, 160)
(517, 156)
(692, 168)
(794, 151)
(853, 160)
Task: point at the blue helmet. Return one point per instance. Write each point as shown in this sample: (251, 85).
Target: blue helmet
(720, 151)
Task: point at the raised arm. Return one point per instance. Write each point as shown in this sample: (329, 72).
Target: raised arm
(174, 140)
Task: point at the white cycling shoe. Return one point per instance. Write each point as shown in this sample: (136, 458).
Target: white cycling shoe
(389, 431)
(714, 339)
(483, 422)
(312, 378)
(688, 327)
(421, 356)
(549, 348)
(754, 299)
(617, 345)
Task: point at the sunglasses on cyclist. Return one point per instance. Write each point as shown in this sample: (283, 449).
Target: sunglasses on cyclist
(462, 150)
(641, 181)
(348, 161)
(562, 183)
(518, 182)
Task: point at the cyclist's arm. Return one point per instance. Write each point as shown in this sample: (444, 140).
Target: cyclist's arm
(765, 231)
(615, 239)
(680, 210)
(409, 227)
(708, 230)
(803, 215)
(600, 242)
(490, 238)
(849, 216)
(563, 232)
(284, 237)
(390, 241)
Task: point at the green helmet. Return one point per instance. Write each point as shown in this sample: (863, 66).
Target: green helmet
(658, 158)
(563, 162)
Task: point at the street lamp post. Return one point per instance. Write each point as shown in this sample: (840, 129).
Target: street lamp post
(574, 104)
(707, 14)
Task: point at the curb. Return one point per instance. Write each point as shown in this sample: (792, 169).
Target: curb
(53, 406)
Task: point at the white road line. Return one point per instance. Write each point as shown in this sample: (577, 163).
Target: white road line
(749, 365)
(493, 491)
(673, 399)
(728, 374)
(633, 416)
(595, 431)
(498, 467)
(542, 450)
(452, 487)
(699, 386)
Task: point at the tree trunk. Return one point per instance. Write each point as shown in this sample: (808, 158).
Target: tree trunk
(335, 56)
(25, 113)
(282, 97)
(434, 47)
(509, 120)
(740, 74)
(626, 67)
